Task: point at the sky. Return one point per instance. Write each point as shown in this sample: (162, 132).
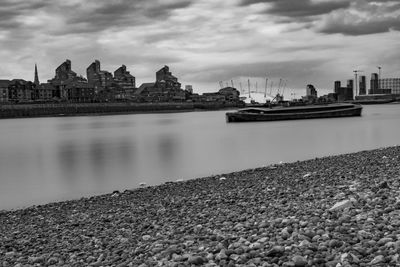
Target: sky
(204, 41)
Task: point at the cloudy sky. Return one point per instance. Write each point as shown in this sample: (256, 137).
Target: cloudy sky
(204, 41)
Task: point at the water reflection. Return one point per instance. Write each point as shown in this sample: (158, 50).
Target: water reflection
(68, 160)
(165, 121)
(98, 152)
(80, 156)
(167, 147)
(97, 122)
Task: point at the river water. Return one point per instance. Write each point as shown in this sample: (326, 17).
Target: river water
(50, 159)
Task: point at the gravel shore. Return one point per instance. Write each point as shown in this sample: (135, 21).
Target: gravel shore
(334, 211)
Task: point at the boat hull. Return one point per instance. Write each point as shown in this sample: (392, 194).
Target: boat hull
(294, 114)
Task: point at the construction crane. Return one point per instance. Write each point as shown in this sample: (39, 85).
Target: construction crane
(356, 80)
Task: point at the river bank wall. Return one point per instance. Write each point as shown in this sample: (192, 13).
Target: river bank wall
(322, 212)
(77, 109)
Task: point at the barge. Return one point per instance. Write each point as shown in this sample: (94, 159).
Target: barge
(294, 113)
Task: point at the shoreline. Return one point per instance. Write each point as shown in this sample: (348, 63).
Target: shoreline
(337, 209)
(95, 109)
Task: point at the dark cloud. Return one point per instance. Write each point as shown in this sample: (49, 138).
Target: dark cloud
(361, 27)
(122, 13)
(298, 8)
(375, 18)
(11, 10)
(90, 15)
(295, 70)
(336, 16)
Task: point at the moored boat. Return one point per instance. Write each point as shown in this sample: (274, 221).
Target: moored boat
(294, 113)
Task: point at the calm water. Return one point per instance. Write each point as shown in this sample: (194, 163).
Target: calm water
(50, 159)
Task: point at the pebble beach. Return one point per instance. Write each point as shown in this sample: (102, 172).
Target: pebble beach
(333, 211)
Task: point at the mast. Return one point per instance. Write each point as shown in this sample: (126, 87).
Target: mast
(248, 83)
(266, 84)
(279, 86)
(270, 90)
(284, 86)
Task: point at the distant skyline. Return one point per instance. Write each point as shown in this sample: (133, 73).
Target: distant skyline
(204, 41)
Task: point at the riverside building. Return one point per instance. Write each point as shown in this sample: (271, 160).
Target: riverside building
(4, 90)
(20, 90)
(344, 93)
(124, 83)
(380, 87)
(362, 85)
(165, 80)
(392, 84)
(64, 76)
(98, 78)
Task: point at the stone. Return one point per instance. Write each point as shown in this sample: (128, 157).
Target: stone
(334, 243)
(384, 240)
(341, 205)
(10, 254)
(255, 245)
(35, 259)
(377, 260)
(276, 251)
(299, 261)
(146, 237)
(52, 261)
(304, 243)
(221, 255)
(263, 240)
(383, 185)
(197, 260)
(288, 264)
